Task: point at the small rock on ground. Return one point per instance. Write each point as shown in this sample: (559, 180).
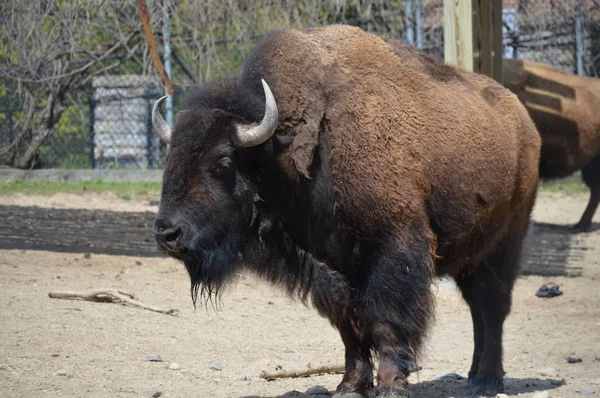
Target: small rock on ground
(574, 360)
(501, 396)
(173, 366)
(588, 390)
(154, 358)
(541, 394)
(317, 390)
(216, 366)
(449, 376)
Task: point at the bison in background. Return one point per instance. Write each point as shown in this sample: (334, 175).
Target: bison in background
(352, 176)
(566, 111)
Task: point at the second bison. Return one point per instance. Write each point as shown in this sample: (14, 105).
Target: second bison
(353, 176)
(566, 111)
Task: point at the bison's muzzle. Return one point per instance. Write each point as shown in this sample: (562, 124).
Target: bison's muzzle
(167, 236)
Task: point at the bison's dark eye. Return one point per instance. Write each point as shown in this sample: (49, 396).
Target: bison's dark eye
(222, 166)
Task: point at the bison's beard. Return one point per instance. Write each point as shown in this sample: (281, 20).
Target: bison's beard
(210, 268)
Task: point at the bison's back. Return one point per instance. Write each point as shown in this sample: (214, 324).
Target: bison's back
(564, 108)
(412, 141)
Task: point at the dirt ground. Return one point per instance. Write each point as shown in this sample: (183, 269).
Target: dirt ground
(52, 347)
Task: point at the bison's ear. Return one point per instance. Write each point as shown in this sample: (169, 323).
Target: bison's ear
(303, 148)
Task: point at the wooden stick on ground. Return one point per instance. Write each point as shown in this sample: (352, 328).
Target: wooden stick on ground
(280, 374)
(109, 296)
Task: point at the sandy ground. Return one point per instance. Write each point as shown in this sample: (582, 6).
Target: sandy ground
(53, 347)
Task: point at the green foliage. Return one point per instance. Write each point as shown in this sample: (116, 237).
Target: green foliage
(69, 147)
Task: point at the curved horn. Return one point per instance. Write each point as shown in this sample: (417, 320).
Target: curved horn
(250, 137)
(161, 128)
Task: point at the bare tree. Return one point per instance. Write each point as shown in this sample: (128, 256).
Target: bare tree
(52, 48)
(213, 37)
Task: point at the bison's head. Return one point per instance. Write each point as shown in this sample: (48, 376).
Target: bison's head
(207, 203)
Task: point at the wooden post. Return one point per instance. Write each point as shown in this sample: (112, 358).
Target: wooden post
(458, 33)
(497, 41)
(473, 36)
(482, 37)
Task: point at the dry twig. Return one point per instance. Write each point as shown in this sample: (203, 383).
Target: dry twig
(280, 374)
(109, 296)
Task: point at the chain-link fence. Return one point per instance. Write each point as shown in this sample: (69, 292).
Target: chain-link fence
(561, 33)
(107, 123)
(110, 127)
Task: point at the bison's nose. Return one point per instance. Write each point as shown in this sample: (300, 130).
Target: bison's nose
(167, 235)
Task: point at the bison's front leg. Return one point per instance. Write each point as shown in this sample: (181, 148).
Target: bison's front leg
(333, 297)
(359, 369)
(396, 309)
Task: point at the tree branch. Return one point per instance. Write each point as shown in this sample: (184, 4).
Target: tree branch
(76, 71)
(143, 10)
(302, 373)
(110, 296)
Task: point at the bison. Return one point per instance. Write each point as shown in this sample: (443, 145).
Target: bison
(566, 111)
(351, 176)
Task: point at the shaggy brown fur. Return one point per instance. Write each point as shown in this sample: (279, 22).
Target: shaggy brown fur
(566, 111)
(386, 169)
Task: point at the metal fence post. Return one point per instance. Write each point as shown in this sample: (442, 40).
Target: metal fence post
(408, 23)
(419, 22)
(92, 105)
(167, 58)
(149, 155)
(578, 38)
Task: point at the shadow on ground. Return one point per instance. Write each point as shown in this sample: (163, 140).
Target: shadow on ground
(78, 231)
(551, 250)
(554, 250)
(451, 388)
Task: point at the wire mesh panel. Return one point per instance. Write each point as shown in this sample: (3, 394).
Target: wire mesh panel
(69, 146)
(6, 135)
(122, 122)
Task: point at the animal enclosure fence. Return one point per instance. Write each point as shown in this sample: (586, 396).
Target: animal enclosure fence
(107, 123)
(561, 33)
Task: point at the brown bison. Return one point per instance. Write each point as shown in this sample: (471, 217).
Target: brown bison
(566, 111)
(352, 179)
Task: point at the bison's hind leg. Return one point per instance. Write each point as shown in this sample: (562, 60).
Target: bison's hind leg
(488, 290)
(591, 176)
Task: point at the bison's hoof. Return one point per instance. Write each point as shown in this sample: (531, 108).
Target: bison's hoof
(487, 385)
(582, 226)
(348, 395)
(472, 377)
(353, 390)
(391, 393)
